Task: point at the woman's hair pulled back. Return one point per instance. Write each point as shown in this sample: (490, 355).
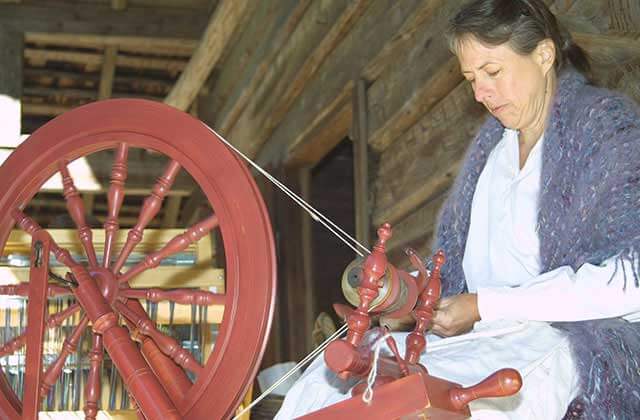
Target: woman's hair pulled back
(521, 23)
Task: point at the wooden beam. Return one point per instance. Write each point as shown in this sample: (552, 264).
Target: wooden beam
(307, 255)
(425, 97)
(361, 164)
(108, 72)
(218, 32)
(328, 129)
(257, 73)
(82, 18)
(252, 131)
(119, 5)
(401, 40)
(604, 48)
(96, 60)
(183, 47)
(425, 159)
(44, 109)
(243, 71)
(337, 73)
(171, 212)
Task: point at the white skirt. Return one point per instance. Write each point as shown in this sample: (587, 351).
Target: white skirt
(539, 352)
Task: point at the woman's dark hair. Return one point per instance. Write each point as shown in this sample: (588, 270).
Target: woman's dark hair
(522, 23)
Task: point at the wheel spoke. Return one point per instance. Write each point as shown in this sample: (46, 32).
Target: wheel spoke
(69, 346)
(22, 289)
(31, 227)
(168, 345)
(75, 206)
(181, 296)
(177, 244)
(114, 199)
(149, 210)
(53, 321)
(92, 389)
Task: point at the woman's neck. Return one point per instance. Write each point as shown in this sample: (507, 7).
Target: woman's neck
(528, 137)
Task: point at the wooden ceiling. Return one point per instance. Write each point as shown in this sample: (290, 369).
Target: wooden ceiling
(79, 51)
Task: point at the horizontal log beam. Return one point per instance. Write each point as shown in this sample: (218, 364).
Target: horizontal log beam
(425, 97)
(96, 60)
(79, 18)
(217, 34)
(183, 47)
(279, 94)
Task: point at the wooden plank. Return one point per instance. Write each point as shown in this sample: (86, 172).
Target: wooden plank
(171, 212)
(424, 161)
(361, 164)
(96, 60)
(380, 21)
(44, 109)
(253, 128)
(216, 36)
(402, 40)
(119, 5)
(609, 49)
(183, 47)
(446, 77)
(108, 72)
(100, 19)
(243, 71)
(328, 129)
(307, 256)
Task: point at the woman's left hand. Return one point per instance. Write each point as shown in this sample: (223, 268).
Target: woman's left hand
(455, 315)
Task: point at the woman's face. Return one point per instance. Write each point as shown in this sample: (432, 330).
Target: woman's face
(513, 87)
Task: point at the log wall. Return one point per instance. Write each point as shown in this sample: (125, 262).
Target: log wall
(285, 95)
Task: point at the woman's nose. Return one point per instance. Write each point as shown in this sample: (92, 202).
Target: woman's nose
(481, 91)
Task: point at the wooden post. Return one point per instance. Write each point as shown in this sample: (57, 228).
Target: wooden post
(11, 46)
(108, 71)
(217, 34)
(360, 163)
(307, 258)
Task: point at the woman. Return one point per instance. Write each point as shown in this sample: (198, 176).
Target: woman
(542, 225)
(546, 232)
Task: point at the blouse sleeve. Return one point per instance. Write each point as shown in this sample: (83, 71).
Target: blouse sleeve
(593, 292)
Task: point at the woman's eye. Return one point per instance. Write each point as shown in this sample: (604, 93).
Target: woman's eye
(493, 73)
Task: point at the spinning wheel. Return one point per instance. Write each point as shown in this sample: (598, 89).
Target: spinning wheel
(154, 370)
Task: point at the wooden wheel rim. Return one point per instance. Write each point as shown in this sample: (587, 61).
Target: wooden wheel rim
(244, 224)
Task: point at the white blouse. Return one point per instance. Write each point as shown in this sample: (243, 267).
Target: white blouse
(502, 257)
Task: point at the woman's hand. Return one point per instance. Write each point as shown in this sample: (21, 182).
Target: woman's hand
(455, 315)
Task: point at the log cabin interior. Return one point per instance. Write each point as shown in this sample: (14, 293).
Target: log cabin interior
(356, 105)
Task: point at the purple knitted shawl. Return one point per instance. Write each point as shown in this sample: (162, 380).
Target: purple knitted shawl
(589, 212)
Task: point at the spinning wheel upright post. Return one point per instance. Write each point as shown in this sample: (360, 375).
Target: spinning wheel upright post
(153, 364)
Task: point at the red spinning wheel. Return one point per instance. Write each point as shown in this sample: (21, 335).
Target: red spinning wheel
(154, 366)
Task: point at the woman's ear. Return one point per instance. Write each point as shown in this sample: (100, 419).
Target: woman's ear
(545, 54)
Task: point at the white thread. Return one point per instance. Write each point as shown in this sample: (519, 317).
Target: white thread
(294, 369)
(367, 396)
(315, 214)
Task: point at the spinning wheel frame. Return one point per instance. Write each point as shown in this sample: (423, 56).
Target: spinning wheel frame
(229, 187)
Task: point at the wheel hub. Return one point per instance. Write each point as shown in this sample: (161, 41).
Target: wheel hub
(107, 282)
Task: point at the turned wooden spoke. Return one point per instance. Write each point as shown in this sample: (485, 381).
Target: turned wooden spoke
(75, 206)
(168, 345)
(175, 245)
(92, 388)
(181, 296)
(22, 289)
(53, 321)
(149, 210)
(31, 227)
(115, 199)
(69, 346)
